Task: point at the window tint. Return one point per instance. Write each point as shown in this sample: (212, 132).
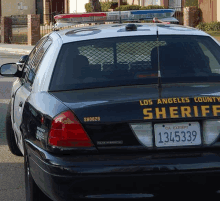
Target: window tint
(112, 60)
(33, 52)
(134, 60)
(31, 76)
(36, 59)
(213, 62)
(39, 55)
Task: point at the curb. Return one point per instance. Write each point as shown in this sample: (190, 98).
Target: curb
(14, 51)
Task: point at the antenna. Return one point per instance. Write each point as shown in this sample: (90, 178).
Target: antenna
(158, 60)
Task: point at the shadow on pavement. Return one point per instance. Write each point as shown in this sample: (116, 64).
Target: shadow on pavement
(5, 95)
(3, 111)
(12, 185)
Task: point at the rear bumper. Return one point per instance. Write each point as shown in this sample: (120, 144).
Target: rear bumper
(68, 177)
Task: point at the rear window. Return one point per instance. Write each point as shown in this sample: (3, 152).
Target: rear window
(134, 60)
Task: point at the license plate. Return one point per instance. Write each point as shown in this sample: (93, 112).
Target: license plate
(177, 134)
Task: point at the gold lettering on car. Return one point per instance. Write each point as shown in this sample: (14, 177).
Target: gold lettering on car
(174, 112)
(160, 111)
(172, 100)
(205, 110)
(171, 108)
(216, 110)
(91, 119)
(185, 111)
(195, 108)
(181, 112)
(148, 114)
(146, 102)
(206, 99)
(159, 101)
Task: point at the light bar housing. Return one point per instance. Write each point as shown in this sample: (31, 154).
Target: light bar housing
(143, 132)
(115, 16)
(211, 130)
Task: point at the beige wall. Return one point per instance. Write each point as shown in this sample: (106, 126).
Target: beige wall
(78, 6)
(218, 11)
(209, 10)
(11, 7)
(136, 2)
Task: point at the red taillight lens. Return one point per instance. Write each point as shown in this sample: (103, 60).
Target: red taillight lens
(66, 131)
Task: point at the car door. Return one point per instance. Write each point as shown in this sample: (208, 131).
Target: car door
(29, 72)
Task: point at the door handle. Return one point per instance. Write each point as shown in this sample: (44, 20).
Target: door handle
(20, 104)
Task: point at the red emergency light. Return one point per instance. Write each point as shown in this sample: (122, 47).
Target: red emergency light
(63, 16)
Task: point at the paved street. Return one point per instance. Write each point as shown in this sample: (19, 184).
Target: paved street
(11, 167)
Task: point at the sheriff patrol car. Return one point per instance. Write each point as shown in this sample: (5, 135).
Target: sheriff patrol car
(117, 110)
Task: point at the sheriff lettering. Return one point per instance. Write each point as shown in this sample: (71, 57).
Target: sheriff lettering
(181, 107)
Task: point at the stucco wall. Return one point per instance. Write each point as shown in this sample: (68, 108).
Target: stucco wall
(18, 7)
(144, 2)
(152, 2)
(136, 2)
(218, 11)
(77, 6)
(215, 10)
(209, 10)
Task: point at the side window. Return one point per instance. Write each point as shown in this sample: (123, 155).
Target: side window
(34, 61)
(39, 55)
(33, 52)
(31, 55)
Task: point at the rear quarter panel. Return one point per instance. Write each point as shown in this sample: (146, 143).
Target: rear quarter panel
(39, 110)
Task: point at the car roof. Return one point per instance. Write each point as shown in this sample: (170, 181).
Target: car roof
(118, 30)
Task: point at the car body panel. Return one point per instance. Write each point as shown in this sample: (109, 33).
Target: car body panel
(46, 67)
(129, 101)
(38, 106)
(16, 85)
(118, 30)
(118, 162)
(108, 113)
(158, 171)
(20, 98)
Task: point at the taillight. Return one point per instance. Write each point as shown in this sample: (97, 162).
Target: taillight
(66, 131)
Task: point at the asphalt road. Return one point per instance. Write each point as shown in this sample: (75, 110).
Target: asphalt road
(12, 187)
(11, 167)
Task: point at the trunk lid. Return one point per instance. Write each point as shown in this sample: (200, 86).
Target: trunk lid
(106, 113)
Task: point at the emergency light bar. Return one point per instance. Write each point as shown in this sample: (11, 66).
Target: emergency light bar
(161, 15)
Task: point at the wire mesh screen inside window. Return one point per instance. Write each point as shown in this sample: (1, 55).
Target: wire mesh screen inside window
(133, 54)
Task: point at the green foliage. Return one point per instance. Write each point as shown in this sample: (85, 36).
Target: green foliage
(191, 3)
(114, 5)
(128, 7)
(136, 7)
(108, 5)
(104, 6)
(211, 26)
(88, 7)
(151, 7)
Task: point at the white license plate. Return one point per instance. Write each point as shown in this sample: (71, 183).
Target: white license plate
(177, 134)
